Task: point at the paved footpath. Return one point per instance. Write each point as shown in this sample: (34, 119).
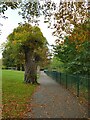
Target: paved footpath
(51, 100)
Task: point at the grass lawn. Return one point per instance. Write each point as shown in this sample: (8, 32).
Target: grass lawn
(15, 94)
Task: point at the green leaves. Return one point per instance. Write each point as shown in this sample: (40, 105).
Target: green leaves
(4, 6)
(30, 11)
(75, 51)
(28, 36)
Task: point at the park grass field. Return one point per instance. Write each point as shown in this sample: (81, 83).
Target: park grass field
(15, 94)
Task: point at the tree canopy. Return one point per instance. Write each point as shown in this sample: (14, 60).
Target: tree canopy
(25, 36)
(74, 51)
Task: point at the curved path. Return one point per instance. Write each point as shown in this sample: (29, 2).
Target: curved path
(51, 100)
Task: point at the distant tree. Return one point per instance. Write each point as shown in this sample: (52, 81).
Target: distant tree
(12, 59)
(7, 60)
(56, 64)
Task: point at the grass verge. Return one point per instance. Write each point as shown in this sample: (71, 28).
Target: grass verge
(15, 94)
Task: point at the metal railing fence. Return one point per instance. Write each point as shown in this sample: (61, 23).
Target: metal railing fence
(78, 84)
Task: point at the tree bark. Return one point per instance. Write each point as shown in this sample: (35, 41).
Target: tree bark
(30, 68)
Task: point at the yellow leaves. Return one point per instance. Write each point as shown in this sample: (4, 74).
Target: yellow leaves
(14, 42)
(16, 108)
(79, 36)
(76, 47)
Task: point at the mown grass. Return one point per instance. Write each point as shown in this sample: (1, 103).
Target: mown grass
(15, 94)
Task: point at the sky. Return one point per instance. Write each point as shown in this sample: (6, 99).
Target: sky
(12, 22)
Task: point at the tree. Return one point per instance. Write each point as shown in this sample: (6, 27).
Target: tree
(8, 61)
(29, 41)
(11, 59)
(56, 64)
(74, 51)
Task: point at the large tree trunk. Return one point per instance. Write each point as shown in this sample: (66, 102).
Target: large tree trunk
(30, 68)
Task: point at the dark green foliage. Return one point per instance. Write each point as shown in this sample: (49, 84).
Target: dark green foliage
(8, 61)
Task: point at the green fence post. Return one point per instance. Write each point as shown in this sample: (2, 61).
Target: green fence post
(56, 76)
(66, 80)
(78, 85)
(60, 77)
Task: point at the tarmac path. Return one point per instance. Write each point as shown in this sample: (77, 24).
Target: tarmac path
(51, 100)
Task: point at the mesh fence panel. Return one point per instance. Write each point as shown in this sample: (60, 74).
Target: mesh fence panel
(78, 84)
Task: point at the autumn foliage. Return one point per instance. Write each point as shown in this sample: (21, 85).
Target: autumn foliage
(74, 51)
